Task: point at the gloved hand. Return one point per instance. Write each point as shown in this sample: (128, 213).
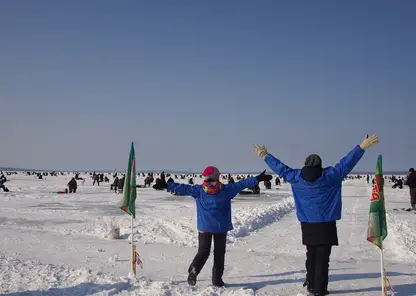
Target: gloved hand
(369, 141)
(263, 177)
(260, 150)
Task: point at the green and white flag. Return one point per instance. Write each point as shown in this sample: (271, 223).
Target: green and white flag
(128, 202)
(377, 224)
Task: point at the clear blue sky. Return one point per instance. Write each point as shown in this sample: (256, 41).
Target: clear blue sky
(195, 83)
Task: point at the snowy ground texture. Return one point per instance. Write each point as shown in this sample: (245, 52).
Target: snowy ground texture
(53, 244)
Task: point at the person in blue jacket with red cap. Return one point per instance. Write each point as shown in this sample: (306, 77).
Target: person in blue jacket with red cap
(213, 204)
(317, 194)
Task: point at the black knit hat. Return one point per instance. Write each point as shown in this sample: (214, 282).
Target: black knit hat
(313, 160)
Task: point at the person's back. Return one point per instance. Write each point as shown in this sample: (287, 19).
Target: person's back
(317, 194)
(120, 184)
(73, 183)
(318, 198)
(213, 203)
(411, 180)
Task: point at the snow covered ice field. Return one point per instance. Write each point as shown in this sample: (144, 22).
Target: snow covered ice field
(53, 244)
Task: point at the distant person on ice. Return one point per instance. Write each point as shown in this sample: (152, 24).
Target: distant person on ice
(96, 179)
(277, 181)
(317, 194)
(120, 184)
(398, 183)
(213, 204)
(2, 181)
(72, 186)
(411, 182)
(114, 185)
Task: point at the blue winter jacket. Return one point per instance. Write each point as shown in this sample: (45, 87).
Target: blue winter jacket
(320, 200)
(213, 210)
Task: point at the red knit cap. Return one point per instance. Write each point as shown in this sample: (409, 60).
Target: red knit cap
(211, 173)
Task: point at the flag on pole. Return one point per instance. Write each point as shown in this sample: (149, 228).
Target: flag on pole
(138, 260)
(377, 224)
(128, 202)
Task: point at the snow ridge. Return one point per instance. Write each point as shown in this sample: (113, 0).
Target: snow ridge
(182, 233)
(248, 220)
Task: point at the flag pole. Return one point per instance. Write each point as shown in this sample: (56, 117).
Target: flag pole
(132, 249)
(382, 272)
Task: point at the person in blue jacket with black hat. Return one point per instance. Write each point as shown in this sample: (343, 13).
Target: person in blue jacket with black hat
(213, 205)
(317, 194)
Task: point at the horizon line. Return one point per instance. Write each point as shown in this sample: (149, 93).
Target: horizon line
(170, 171)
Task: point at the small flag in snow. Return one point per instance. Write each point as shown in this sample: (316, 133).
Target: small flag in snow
(138, 260)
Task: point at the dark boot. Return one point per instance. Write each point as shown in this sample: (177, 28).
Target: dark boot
(217, 278)
(309, 287)
(319, 294)
(192, 276)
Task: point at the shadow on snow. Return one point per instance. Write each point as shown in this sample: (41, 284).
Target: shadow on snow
(81, 289)
(404, 289)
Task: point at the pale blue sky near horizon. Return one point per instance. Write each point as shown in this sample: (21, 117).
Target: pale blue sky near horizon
(197, 83)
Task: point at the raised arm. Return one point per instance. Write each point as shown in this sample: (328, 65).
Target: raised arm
(280, 168)
(276, 165)
(347, 163)
(185, 189)
(236, 188)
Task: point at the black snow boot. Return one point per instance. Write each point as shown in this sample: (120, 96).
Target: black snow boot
(309, 287)
(317, 294)
(192, 276)
(218, 283)
(217, 278)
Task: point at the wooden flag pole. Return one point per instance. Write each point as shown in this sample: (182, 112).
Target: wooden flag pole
(133, 251)
(383, 288)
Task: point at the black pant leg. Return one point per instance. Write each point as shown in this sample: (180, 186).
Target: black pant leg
(220, 241)
(323, 252)
(310, 265)
(204, 248)
(413, 197)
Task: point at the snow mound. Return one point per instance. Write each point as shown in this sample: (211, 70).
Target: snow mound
(32, 278)
(403, 237)
(250, 219)
(182, 232)
(163, 230)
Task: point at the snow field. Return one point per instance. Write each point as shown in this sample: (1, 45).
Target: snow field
(52, 244)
